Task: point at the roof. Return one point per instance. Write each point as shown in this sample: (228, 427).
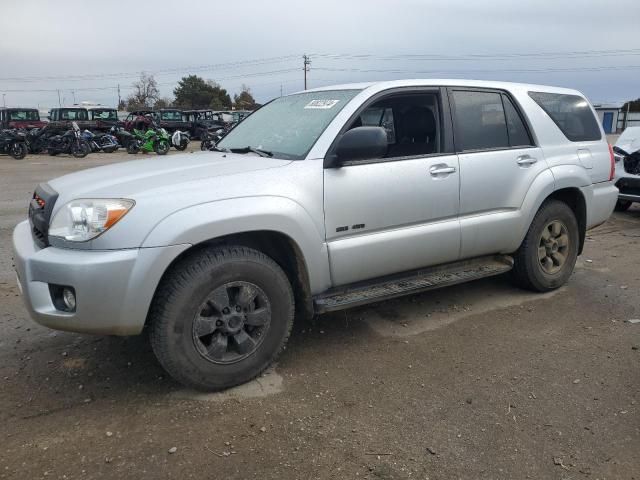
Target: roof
(19, 108)
(442, 82)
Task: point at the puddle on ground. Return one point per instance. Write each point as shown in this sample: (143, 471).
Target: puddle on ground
(269, 383)
(432, 310)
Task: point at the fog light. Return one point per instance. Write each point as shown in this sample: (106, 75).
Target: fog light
(69, 299)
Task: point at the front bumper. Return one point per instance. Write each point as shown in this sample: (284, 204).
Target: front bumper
(627, 183)
(114, 288)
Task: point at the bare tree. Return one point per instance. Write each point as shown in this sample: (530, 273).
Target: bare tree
(145, 92)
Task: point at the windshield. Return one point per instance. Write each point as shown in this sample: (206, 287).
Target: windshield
(171, 116)
(104, 115)
(24, 115)
(288, 126)
(73, 114)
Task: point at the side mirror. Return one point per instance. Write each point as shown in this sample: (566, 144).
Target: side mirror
(360, 143)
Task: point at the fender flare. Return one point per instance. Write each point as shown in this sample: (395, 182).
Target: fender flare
(211, 220)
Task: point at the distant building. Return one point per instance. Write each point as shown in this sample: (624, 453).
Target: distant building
(614, 119)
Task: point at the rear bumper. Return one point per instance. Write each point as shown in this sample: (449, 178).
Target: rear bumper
(114, 288)
(600, 199)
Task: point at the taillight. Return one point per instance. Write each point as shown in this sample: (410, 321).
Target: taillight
(612, 172)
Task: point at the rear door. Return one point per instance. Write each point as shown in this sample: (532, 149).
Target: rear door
(498, 163)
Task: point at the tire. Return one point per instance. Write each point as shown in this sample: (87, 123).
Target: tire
(132, 148)
(182, 295)
(204, 145)
(623, 205)
(18, 151)
(533, 272)
(182, 146)
(109, 150)
(161, 147)
(80, 149)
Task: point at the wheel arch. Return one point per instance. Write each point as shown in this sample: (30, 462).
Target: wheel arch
(573, 197)
(283, 249)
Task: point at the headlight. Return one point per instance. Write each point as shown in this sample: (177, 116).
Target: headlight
(84, 219)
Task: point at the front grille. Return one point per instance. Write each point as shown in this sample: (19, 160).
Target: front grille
(40, 208)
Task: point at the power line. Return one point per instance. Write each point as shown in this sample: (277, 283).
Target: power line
(494, 70)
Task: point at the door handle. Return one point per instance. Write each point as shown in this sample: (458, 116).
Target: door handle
(441, 170)
(526, 160)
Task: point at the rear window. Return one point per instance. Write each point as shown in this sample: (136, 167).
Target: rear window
(571, 113)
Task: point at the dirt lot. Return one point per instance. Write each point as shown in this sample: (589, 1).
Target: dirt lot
(476, 381)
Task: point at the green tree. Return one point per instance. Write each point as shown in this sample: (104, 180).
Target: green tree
(244, 100)
(195, 92)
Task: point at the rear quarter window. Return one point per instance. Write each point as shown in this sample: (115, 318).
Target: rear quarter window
(571, 113)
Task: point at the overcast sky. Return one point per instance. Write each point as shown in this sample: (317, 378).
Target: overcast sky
(260, 44)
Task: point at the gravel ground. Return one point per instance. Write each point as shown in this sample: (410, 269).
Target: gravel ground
(476, 381)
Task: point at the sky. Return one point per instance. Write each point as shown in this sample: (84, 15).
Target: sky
(85, 49)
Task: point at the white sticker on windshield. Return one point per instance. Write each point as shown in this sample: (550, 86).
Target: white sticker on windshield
(321, 104)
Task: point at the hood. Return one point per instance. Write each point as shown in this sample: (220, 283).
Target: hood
(629, 140)
(158, 174)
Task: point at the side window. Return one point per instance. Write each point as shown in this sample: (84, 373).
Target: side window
(571, 113)
(516, 129)
(480, 122)
(412, 123)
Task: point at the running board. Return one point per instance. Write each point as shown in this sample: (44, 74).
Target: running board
(412, 282)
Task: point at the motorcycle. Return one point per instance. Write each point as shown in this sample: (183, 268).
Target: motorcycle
(13, 143)
(101, 141)
(210, 138)
(153, 140)
(180, 140)
(122, 136)
(37, 139)
(69, 142)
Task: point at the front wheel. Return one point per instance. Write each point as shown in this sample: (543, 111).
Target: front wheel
(622, 205)
(182, 146)
(221, 317)
(18, 150)
(161, 147)
(548, 254)
(133, 147)
(80, 149)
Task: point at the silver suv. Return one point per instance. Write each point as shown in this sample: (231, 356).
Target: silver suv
(319, 201)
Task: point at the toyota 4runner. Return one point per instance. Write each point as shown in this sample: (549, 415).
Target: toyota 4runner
(319, 201)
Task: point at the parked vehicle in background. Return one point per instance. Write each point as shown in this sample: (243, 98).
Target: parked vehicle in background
(122, 135)
(21, 118)
(319, 201)
(239, 115)
(62, 118)
(140, 119)
(627, 156)
(154, 139)
(70, 142)
(101, 142)
(180, 140)
(202, 121)
(102, 118)
(12, 142)
(172, 119)
(210, 138)
(37, 139)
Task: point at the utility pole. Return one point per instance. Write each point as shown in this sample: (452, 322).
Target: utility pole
(118, 97)
(4, 103)
(626, 114)
(59, 102)
(73, 92)
(306, 67)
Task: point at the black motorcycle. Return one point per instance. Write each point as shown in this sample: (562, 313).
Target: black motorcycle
(12, 143)
(210, 138)
(122, 136)
(101, 142)
(37, 139)
(69, 142)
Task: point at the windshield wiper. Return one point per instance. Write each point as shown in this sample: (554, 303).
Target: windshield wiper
(258, 151)
(218, 149)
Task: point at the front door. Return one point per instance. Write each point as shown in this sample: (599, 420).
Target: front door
(400, 212)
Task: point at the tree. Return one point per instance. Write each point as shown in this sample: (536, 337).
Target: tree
(634, 106)
(244, 101)
(145, 93)
(195, 92)
(163, 102)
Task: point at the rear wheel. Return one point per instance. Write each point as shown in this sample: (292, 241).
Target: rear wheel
(548, 254)
(182, 146)
(220, 317)
(623, 205)
(133, 147)
(80, 149)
